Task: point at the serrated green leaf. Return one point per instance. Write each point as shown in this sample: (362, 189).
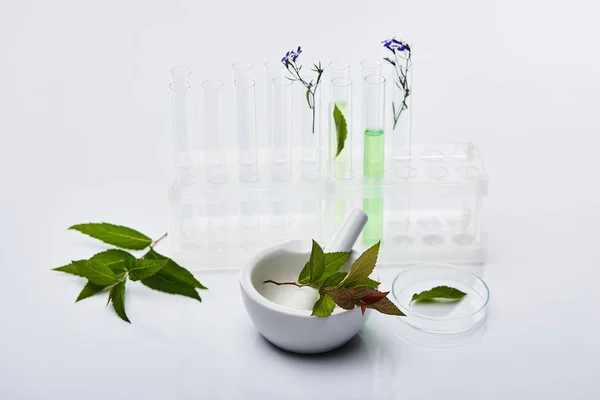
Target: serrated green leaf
(385, 306)
(317, 258)
(341, 129)
(117, 295)
(97, 273)
(114, 259)
(343, 297)
(167, 284)
(116, 235)
(334, 261)
(304, 276)
(72, 268)
(175, 271)
(324, 306)
(334, 280)
(362, 267)
(370, 283)
(89, 290)
(439, 292)
(143, 268)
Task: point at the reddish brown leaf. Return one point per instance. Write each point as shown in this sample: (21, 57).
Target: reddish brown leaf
(373, 298)
(345, 298)
(385, 306)
(363, 307)
(364, 291)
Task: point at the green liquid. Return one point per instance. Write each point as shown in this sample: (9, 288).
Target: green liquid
(373, 156)
(373, 231)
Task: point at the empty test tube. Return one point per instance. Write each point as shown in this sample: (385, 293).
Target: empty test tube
(214, 146)
(245, 124)
(280, 141)
(182, 121)
(339, 69)
(241, 70)
(370, 67)
(180, 74)
(273, 69)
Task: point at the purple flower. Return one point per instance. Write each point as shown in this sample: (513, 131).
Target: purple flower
(291, 56)
(394, 45)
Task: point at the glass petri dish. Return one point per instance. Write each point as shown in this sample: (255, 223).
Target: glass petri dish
(448, 317)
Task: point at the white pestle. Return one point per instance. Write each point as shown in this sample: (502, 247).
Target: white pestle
(303, 298)
(346, 235)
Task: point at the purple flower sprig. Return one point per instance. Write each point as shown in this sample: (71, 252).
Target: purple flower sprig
(402, 63)
(290, 62)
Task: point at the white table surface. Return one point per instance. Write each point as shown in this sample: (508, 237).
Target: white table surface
(84, 112)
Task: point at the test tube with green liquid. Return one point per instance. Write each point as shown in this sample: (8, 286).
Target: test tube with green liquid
(374, 111)
(373, 156)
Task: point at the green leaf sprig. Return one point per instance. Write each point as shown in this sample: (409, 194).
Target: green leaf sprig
(109, 270)
(347, 290)
(438, 293)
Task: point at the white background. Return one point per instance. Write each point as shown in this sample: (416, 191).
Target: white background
(84, 113)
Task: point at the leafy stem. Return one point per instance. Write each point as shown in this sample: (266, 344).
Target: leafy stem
(344, 289)
(111, 269)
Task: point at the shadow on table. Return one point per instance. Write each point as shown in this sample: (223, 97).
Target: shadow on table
(355, 348)
(266, 371)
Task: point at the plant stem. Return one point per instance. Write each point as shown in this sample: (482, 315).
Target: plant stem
(313, 116)
(159, 239)
(402, 83)
(284, 283)
(155, 243)
(311, 89)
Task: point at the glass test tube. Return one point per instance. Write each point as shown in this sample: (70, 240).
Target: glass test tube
(182, 113)
(245, 123)
(341, 164)
(374, 111)
(340, 113)
(339, 69)
(273, 69)
(401, 115)
(280, 142)
(370, 67)
(181, 74)
(311, 133)
(214, 146)
(373, 157)
(241, 70)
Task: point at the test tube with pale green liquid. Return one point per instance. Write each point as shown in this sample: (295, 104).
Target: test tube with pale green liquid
(373, 156)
